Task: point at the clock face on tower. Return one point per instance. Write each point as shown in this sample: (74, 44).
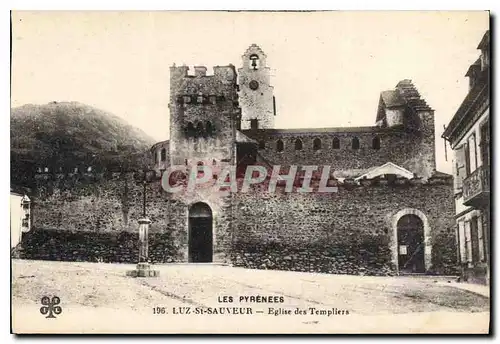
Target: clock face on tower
(254, 85)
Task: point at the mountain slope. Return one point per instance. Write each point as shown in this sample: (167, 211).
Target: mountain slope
(70, 134)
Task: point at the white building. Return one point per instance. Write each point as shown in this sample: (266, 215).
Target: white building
(20, 221)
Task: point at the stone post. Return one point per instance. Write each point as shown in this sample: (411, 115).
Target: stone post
(143, 240)
(143, 268)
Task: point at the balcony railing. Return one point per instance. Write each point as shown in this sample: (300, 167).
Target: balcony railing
(476, 187)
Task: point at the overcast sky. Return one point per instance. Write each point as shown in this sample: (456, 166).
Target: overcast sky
(328, 68)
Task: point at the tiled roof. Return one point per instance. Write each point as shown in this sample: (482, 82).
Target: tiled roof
(485, 41)
(405, 94)
(392, 98)
(161, 143)
(475, 66)
(478, 92)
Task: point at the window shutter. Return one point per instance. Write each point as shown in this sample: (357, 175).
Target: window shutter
(459, 171)
(462, 242)
(468, 242)
(480, 238)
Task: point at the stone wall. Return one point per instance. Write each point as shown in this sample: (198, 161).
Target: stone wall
(411, 150)
(350, 231)
(121, 247)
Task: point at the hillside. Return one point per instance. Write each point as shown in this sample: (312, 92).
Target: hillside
(70, 134)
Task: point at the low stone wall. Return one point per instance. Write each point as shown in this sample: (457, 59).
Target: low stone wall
(353, 256)
(108, 247)
(444, 255)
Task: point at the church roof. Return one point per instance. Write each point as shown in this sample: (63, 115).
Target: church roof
(411, 95)
(405, 94)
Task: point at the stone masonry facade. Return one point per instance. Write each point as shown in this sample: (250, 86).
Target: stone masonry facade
(388, 188)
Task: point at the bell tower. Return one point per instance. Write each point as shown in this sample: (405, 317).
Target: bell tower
(255, 92)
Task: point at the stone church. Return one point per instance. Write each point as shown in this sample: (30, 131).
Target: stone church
(393, 213)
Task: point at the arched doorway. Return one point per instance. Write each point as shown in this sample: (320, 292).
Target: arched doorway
(200, 233)
(411, 244)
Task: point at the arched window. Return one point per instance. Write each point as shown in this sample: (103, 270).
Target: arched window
(336, 143)
(210, 128)
(376, 142)
(280, 146)
(156, 156)
(190, 129)
(262, 144)
(316, 144)
(163, 154)
(355, 143)
(254, 61)
(298, 144)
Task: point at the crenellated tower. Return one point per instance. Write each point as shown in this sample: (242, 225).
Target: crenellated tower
(256, 94)
(204, 114)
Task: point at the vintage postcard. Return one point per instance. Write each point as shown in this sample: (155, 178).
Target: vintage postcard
(250, 172)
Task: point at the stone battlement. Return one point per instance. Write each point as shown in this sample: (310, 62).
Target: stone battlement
(223, 72)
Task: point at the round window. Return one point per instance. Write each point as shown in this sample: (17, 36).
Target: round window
(254, 85)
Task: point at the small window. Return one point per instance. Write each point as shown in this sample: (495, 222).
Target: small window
(187, 99)
(280, 146)
(376, 142)
(254, 124)
(316, 144)
(298, 144)
(199, 100)
(213, 99)
(163, 154)
(262, 144)
(355, 143)
(89, 169)
(336, 143)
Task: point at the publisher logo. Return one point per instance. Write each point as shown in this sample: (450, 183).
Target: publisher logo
(50, 306)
